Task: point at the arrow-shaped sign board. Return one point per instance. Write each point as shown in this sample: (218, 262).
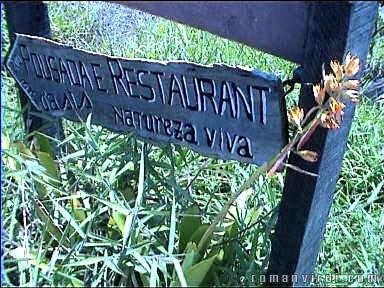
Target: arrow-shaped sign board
(219, 111)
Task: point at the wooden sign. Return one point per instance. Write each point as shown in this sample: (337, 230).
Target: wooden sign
(220, 111)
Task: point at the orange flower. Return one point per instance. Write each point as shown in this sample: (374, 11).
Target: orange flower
(308, 155)
(319, 93)
(337, 70)
(296, 115)
(328, 121)
(352, 95)
(352, 65)
(336, 110)
(331, 84)
(336, 106)
(352, 84)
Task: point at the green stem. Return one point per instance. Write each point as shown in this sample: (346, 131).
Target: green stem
(221, 215)
(260, 170)
(310, 112)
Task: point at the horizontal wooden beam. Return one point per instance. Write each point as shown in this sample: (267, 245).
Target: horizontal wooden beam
(278, 28)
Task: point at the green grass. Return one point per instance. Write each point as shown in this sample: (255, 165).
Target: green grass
(113, 210)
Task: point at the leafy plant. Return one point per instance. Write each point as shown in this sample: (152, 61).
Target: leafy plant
(75, 220)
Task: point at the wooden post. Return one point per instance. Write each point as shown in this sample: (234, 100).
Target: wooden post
(333, 30)
(32, 18)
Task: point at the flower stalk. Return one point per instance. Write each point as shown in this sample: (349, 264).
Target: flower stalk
(329, 94)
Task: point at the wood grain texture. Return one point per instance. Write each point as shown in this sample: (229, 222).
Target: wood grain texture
(375, 90)
(334, 29)
(216, 110)
(278, 28)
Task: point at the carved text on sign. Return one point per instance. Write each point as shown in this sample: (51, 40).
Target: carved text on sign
(217, 110)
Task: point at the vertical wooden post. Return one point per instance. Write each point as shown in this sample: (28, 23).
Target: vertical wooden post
(333, 30)
(32, 18)
(2, 178)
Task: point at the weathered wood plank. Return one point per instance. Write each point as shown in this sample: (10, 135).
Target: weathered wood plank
(334, 29)
(278, 27)
(375, 90)
(218, 110)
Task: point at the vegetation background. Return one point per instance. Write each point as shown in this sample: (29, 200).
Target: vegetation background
(113, 210)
